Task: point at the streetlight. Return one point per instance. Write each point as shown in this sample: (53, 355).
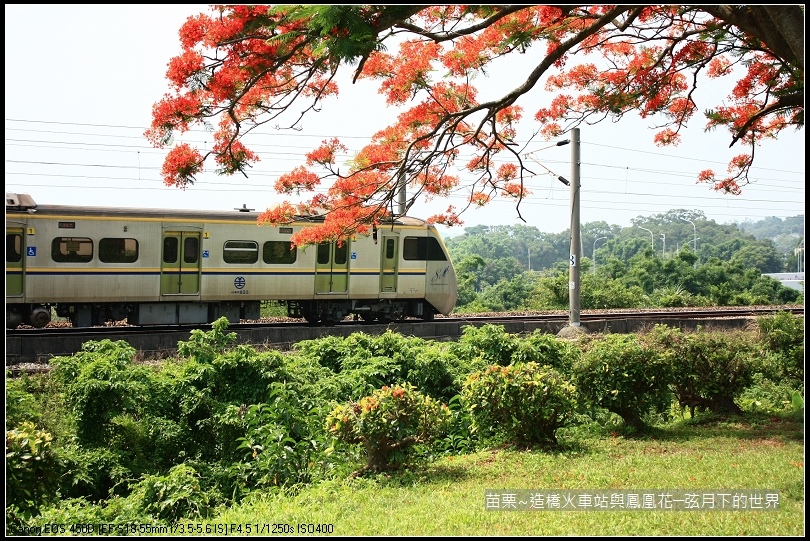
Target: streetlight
(652, 242)
(593, 252)
(664, 249)
(694, 230)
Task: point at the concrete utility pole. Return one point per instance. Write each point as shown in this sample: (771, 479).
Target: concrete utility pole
(664, 247)
(576, 240)
(576, 243)
(402, 195)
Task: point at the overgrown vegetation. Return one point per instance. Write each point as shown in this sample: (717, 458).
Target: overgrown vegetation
(102, 439)
(507, 268)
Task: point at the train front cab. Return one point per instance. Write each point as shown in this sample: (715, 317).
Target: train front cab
(441, 285)
(416, 272)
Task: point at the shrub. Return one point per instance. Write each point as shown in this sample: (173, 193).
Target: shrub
(490, 342)
(783, 334)
(598, 292)
(21, 403)
(525, 402)
(178, 494)
(73, 516)
(673, 297)
(205, 346)
(766, 395)
(364, 363)
(618, 373)
(282, 444)
(198, 397)
(709, 369)
(330, 351)
(32, 468)
(101, 384)
(717, 366)
(547, 349)
(388, 422)
(461, 437)
(92, 473)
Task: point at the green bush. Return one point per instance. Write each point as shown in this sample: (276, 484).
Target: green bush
(676, 297)
(598, 293)
(489, 342)
(461, 436)
(21, 403)
(270, 309)
(158, 443)
(198, 396)
(770, 396)
(32, 468)
(618, 373)
(93, 473)
(330, 351)
(388, 422)
(709, 369)
(178, 494)
(783, 334)
(101, 384)
(547, 349)
(72, 514)
(205, 346)
(525, 403)
(364, 363)
(284, 442)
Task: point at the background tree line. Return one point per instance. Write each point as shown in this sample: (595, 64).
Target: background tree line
(651, 263)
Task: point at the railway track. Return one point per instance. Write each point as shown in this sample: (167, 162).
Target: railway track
(40, 345)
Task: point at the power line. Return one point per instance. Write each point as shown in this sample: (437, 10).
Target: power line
(274, 152)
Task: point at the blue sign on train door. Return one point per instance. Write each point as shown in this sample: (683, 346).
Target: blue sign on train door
(31, 251)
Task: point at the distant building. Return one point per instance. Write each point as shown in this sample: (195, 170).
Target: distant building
(794, 280)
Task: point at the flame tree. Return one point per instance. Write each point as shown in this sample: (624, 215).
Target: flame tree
(242, 67)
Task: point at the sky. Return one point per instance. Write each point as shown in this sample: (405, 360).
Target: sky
(81, 81)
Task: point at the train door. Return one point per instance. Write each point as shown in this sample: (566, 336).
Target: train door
(15, 248)
(180, 268)
(390, 264)
(332, 268)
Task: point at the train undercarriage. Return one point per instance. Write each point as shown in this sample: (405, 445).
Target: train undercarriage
(320, 312)
(383, 311)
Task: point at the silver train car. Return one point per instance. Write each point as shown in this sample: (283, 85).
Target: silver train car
(95, 265)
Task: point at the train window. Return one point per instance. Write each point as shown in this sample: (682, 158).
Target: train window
(341, 253)
(323, 253)
(72, 250)
(191, 249)
(422, 249)
(240, 251)
(118, 250)
(340, 256)
(280, 252)
(170, 250)
(13, 247)
(389, 249)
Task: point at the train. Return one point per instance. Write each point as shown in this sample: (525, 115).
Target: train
(146, 266)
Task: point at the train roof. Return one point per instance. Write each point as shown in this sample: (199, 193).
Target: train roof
(25, 204)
